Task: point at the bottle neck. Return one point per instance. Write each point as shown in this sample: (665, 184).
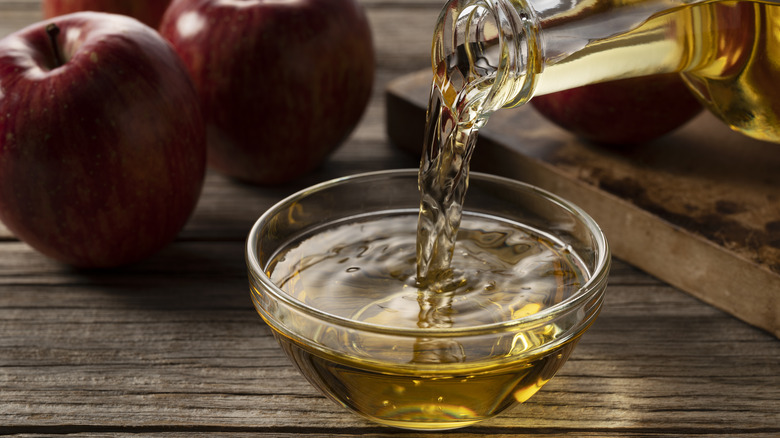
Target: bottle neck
(494, 51)
(588, 41)
(485, 54)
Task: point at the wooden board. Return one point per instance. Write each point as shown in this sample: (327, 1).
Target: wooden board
(699, 208)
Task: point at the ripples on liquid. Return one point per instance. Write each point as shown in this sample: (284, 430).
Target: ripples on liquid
(367, 271)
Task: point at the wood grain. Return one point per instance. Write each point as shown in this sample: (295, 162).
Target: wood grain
(172, 347)
(174, 344)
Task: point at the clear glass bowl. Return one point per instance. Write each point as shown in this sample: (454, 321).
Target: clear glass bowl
(424, 376)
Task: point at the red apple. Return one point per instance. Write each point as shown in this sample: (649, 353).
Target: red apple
(625, 111)
(148, 11)
(102, 142)
(282, 83)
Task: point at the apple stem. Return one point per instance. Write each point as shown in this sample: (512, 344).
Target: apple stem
(53, 30)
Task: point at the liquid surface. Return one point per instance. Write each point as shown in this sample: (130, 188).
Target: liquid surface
(366, 271)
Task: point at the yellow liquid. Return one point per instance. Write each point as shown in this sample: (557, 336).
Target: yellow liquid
(736, 72)
(364, 269)
(728, 53)
(421, 399)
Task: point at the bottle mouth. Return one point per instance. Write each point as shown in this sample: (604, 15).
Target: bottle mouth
(486, 54)
(520, 26)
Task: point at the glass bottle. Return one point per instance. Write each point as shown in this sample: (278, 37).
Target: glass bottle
(491, 54)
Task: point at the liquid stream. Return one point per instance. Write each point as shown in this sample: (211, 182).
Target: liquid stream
(486, 58)
(438, 269)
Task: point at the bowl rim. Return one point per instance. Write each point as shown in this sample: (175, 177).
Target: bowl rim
(595, 284)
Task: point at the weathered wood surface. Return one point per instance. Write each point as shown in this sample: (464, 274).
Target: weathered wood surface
(172, 347)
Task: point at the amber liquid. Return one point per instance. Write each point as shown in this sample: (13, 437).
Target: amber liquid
(728, 52)
(736, 71)
(425, 399)
(364, 269)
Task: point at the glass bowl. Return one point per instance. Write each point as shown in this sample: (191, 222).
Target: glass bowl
(332, 273)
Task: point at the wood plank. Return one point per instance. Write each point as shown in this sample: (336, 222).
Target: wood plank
(379, 433)
(174, 343)
(699, 208)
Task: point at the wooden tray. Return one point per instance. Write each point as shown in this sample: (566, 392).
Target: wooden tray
(699, 209)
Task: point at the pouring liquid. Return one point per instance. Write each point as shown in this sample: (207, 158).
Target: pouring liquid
(727, 51)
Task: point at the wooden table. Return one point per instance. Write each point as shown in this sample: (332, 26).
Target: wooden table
(173, 347)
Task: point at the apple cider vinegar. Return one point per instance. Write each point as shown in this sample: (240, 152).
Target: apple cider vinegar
(492, 54)
(735, 71)
(364, 269)
(728, 53)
